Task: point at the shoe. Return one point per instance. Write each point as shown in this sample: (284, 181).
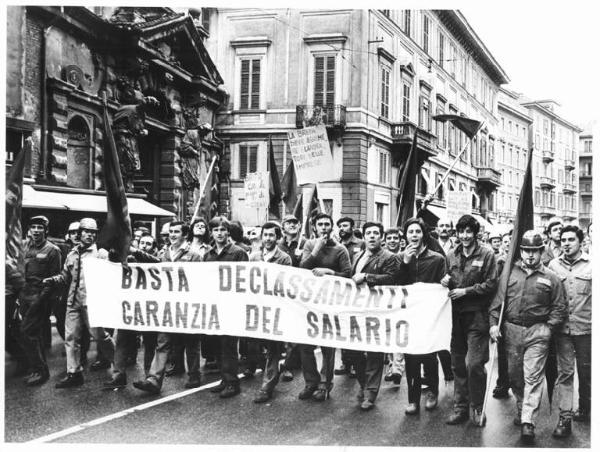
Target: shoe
(193, 382)
(147, 385)
(230, 391)
(70, 381)
(563, 428)
(249, 373)
(412, 409)
(307, 392)
(367, 405)
(173, 370)
(101, 364)
(321, 394)
(360, 396)
(220, 387)
(396, 378)
(432, 401)
(581, 415)
(352, 372)
(37, 378)
(342, 370)
(287, 375)
(458, 417)
(527, 432)
(262, 397)
(27, 376)
(500, 392)
(388, 376)
(118, 382)
(478, 417)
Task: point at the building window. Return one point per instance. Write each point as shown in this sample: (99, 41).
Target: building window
(453, 60)
(561, 202)
(537, 197)
(250, 84)
(324, 94)
(426, 24)
(385, 92)
(15, 142)
(561, 176)
(440, 191)
(384, 167)
(379, 211)
(248, 160)
(425, 109)
(442, 138)
(405, 102)
(552, 199)
(441, 51)
(407, 20)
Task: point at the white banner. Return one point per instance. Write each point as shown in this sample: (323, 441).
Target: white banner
(268, 301)
(256, 190)
(311, 154)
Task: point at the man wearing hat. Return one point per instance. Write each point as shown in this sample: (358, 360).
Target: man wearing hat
(77, 317)
(534, 307)
(42, 259)
(553, 248)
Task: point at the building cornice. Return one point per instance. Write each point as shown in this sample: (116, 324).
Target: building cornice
(515, 112)
(536, 105)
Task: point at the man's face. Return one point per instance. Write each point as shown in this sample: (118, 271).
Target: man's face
(220, 235)
(146, 243)
(496, 243)
(323, 227)
(555, 232)
(531, 258)
(505, 243)
(402, 243)
(176, 235)
(74, 236)
(373, 238)
(88, 237)
(443, 229)
(291, 227)
(466, 237)
(392, 242)
(199, 229)
(137, 235)
(345, 229)
(269, 239)
(414, 235)
(37, 232)
(570, 244)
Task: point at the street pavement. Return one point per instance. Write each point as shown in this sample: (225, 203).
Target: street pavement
(200, 417)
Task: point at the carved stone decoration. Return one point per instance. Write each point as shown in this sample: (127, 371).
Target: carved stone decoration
(194, 159)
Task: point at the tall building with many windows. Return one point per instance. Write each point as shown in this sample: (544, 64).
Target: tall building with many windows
(374, 78)
(555, 144)
(586, 155)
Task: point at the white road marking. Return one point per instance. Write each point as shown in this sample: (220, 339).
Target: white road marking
(110, 417)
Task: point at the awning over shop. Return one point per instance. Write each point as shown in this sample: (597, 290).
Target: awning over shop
(483, 222)
(439, 212)
(39, 199)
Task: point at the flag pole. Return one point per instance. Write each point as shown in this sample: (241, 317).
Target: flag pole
(201, 195)
(430, 196)
(319, 198)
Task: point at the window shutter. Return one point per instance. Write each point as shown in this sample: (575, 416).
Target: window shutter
(255, 100)
(319, 72)
(330, 81)
(253, 151)
(245, 84)
(243, 161)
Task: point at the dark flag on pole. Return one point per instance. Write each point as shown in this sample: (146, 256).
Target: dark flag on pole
(313, 209)
(290, 188)
(407, 186)
(15, 260)
(469, 126)
(116, 233)
(274, 185)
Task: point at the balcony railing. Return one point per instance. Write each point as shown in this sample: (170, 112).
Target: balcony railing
(404, 132)
(569, 214)
(569, 188)
(488, 176)
(546, 210)
(333, 116)
(569, 164)
(548, 156)
(547, 182)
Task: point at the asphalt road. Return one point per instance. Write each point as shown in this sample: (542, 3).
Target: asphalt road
(200, 417)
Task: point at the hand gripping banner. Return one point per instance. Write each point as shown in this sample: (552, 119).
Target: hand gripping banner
(267, 301)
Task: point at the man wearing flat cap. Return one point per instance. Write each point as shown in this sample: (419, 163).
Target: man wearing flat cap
(42, 259)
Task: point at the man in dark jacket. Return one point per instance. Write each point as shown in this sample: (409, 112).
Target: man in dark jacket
(373, 266)
(472, 279)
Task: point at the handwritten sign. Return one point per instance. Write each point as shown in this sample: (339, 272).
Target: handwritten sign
(311, 154)
(256, 189)
(458, 204)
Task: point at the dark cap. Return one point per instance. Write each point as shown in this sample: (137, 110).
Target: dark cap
(39, 219)
(290, 217)
(347, 220)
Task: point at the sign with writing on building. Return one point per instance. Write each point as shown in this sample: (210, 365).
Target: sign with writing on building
(267, 301)
(311, 154)
(458, 203)
(256, 190)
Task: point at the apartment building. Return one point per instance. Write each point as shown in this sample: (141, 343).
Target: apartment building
(585, 177)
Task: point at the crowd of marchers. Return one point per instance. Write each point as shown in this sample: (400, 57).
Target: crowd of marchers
(541, 322)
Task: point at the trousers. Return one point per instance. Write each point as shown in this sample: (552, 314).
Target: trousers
(34, 313)
(413, 375)
(161, 356)
(573, 351)
(312, 377)
(369, 370)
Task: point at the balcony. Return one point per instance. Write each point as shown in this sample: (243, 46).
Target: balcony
(331, 116)
(547, 182)
(569, 214)
(488, 178)
(545, 211)
(569, 164)
(569, 188)
(403, 133)
(548, 156)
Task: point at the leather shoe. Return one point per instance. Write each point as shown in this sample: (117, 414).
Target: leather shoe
(70, 381)
(229, 391)
(527, 432)
(500, 392)
(287, 375)
(262, 397)
(396, 378)
(478, 417)
(458, 417)
(412, 409)
(563, 428)
(37, 378)
(101, 364)
(147, 385)
(307, 393)
(193, 382)
(321, 394)
(431, 402)
(367, 405)
(220, 387)
(117, 382)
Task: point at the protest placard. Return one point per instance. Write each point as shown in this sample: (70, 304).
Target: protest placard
(256, 190)
(458, 203)
(311, 154)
